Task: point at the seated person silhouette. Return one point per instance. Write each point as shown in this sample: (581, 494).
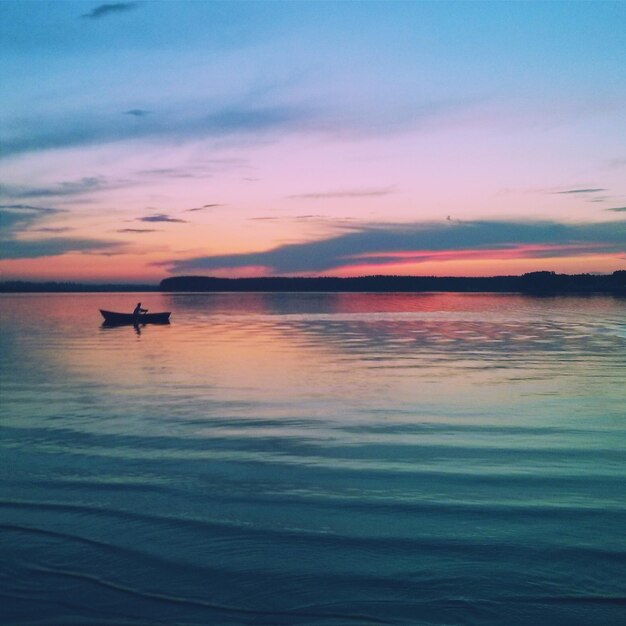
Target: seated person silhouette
(138, 310)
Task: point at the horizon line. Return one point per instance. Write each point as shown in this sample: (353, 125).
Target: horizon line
(297, 277)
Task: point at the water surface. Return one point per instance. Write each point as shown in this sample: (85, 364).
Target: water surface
(313, 459)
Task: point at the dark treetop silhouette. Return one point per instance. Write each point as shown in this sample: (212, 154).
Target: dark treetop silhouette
(534, 282)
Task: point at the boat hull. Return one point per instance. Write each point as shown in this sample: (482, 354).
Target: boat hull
(113, 318)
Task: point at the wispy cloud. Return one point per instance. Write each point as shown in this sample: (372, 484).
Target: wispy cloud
(29, 207)
(52, 229)
(104, 10)
(172, 172)
(15, 220)
(159, 217)
(575, 191)
(137, 230)
(37, 248)
(375, 244)
(67, 188)
(618, 209)
(346, 193)
(246, 117)
(137, 112)
(193, 122)
(203, 207)
(296, 218)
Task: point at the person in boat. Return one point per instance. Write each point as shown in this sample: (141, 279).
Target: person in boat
(138, 310)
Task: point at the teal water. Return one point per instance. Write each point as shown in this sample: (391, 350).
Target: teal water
(313, 459)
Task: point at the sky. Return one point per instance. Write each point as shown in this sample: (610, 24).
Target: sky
(141, 140)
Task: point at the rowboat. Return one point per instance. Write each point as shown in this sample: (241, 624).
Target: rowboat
(110, 317)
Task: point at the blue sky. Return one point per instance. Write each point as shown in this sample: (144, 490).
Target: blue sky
(348, 113)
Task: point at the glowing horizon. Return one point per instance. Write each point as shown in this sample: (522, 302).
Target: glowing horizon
(145, 140)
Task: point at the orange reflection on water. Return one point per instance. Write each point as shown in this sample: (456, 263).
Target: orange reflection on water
(256, 355)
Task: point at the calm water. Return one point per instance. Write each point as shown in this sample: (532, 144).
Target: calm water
(314, 459)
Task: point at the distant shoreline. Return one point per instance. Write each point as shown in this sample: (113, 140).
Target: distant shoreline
(534, 282)
(22, 286)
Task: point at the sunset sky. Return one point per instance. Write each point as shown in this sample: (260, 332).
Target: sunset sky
(140, 140)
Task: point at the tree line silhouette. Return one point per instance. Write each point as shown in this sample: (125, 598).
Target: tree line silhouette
(534, 282)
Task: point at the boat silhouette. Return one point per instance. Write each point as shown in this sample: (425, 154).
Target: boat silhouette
(112, 318)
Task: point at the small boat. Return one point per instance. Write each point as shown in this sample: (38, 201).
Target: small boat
(111, 318)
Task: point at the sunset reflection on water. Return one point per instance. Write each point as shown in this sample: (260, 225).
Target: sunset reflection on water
(266, 452)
